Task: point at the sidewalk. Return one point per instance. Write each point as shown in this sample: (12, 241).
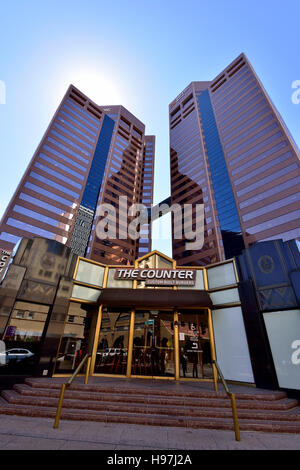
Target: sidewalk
(22, 433)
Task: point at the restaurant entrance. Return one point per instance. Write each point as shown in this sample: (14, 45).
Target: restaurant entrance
(153, 353)
(153, 320)
(162, 343)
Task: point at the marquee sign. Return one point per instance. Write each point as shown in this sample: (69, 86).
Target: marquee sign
(158, 277)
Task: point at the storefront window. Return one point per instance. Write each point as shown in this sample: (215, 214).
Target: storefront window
(77, 338)
(194, 344)
(90, 273)
(112, 349)
(153, 344)
(22, 336)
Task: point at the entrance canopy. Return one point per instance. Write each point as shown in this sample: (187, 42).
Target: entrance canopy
(155, 281)
(117, 297)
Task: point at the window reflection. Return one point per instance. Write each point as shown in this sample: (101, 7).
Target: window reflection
(112, 349)
(76, 340)
(22, 333)
(194, 345)
(153, 344)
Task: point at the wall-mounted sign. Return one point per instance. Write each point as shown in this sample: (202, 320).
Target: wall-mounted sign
(11, 331)
(158, 277)
(4, 260)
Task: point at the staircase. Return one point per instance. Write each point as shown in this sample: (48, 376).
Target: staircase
(258, 410)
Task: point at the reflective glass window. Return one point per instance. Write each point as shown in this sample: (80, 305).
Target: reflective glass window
(29, 228)
(40, 203)
(223, 297)
(70, 142)
(252, 139)
(23, 336)
(72, 110)
(233, 96)
(255, 148)
(260, 157)
(274, 221)
(267, 179)
(36, 215)
(82, 110)
(271, 207)
(64, 157)
(249, 131)
(79, 123)
(222, 275)
(194, 344)
(67, 149)
(226, 113)
(112, 351)
(262, 168)
(71, 126)
(53, 184)
(85, 293)
(245, 124)
(74, 136)
(90, 273)
(153, 344)
(61, 166)
(51, 195)
(57, 175)
(8, 237)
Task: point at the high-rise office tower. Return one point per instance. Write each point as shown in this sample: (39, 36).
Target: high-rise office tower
(231, 151)
(89, 155)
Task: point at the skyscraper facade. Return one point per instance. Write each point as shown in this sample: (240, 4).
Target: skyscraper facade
(231, 151)
(89, 155)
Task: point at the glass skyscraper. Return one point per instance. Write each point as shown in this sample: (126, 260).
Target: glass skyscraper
(231, 151)
(89, 155)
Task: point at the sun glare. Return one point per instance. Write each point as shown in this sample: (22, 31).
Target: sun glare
(96, 84)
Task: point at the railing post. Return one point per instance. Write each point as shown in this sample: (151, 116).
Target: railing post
(235, 417)
(87, 372)
(88, 357)
(60, 402)
(233, 402)
(215, 376)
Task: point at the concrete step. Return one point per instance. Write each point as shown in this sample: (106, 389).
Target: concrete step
(208, 400)
(155, 420)
(261, 395)
(261, 410)
(12, 397)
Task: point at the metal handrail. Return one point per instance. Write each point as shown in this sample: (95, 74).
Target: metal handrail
(88, 358)
(233, 402)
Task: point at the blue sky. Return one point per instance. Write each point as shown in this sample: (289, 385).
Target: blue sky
(140, 54)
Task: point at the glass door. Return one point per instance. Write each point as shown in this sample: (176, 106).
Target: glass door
(194, 344)
(112, 350)
(153, 353)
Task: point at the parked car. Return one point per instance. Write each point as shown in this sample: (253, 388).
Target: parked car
(16, 355)
(114, 352)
